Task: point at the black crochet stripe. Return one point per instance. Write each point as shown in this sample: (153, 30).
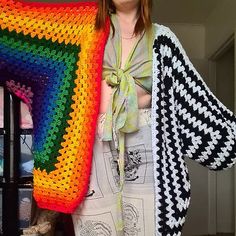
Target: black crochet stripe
(169, 130)
(164, 106)
(161, 217)
(168, 85)
(218, 112)
(222, 155)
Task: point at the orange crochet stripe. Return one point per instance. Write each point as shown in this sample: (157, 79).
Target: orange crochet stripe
(55, 50)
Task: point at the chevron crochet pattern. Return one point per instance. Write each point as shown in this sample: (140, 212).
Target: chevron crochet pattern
(190, 121)
(53, 52)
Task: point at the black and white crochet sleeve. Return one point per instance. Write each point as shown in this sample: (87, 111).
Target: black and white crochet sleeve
(206, 127)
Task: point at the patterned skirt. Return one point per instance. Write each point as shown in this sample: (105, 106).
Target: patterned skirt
(98, 214)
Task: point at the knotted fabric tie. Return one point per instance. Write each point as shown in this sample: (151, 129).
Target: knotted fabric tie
(121, 117)
(122, 113)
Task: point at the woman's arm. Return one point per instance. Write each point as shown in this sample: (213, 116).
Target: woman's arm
(207, 128)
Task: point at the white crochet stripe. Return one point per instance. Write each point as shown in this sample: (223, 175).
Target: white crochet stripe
(197, 106)
(155, 147)
(172, 185)
(164, 30)
(196, 89)
(171, 159)
(182, 203)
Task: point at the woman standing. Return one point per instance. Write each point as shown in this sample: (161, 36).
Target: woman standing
(121, 193)
(155, 109)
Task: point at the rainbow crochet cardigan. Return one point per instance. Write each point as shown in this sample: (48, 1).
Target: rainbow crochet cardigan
(54, 52)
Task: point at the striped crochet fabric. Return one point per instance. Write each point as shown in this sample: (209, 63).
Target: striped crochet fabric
(189, 121)
(53, 52)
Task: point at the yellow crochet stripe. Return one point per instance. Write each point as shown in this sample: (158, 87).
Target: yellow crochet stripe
(63, 188)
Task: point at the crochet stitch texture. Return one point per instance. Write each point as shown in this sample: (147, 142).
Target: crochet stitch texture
(54, 50)
(189, 121)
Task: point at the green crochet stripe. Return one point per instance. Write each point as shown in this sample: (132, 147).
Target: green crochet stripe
(27, 41)
(47, 158)
(58, 52)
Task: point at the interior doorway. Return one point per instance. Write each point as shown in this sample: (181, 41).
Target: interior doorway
(212, 206)
(225, 91)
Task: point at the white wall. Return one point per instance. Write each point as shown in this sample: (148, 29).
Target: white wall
(192, 36)
(225, 179)
(220, 25)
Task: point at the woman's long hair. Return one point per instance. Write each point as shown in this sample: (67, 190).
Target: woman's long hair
(105, 7)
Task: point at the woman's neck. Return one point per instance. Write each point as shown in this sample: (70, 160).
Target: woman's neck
(127, 17)
(127, 20)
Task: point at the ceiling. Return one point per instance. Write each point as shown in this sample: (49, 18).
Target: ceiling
(182, 11)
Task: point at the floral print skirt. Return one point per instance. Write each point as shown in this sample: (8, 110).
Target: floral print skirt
(98, 214)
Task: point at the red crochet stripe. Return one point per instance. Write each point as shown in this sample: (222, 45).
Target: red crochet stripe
(99, 78)
(46, 4)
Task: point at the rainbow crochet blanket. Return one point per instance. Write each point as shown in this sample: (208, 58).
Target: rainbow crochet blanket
(51, 57)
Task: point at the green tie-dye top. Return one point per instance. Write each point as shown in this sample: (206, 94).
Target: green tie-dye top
(122, 113)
